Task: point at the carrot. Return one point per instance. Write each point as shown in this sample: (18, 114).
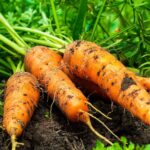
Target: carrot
(89, 61)
(44, 64)
(93, 88)
(21, 98)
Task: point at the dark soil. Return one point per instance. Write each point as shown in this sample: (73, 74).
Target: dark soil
(54, 132)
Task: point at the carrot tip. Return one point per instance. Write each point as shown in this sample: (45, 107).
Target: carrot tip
(101, 122)
(15, 144)
(88, 123)
(98, 134)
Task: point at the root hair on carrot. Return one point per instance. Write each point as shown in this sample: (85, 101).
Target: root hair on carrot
(15, 144)
(101, 122)
(97, 110)
(111, 107)
(51, 109)
(89, 124)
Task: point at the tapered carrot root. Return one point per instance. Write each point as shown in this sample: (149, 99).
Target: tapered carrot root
(14, 142)
(45, 65)
(88, 61)
(21, 98)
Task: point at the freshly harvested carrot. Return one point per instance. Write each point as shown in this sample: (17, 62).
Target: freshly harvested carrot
(93, 88)
(21, 98)
(89, 61)
(45, 65)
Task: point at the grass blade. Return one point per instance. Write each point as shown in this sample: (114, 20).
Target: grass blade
(79, 20)
(97, 19)
(55, 16)
(115, 35)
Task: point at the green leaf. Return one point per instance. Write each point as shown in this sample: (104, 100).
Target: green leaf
(99, 146)
(124, 140)
(147, 147)
(125, 145)
(116, 146)
(131, 146)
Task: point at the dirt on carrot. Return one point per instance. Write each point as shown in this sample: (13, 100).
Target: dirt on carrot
(45, 65)
(21, 98)
(88, 86)
(89, 61)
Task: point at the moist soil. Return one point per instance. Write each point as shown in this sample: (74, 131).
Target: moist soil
(50, 130)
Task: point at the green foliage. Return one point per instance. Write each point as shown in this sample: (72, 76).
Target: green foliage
(122, 26)
(125, 145)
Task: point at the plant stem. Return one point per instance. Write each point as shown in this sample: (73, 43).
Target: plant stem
(97, 19)
(54, 46)
(17, 48)
(19, 67)
(4, 63)
(55, 16)
(5, 73)
(12, 32)
(13, 67)
(22, 67)
(51, 37)
(113, 44)
(144, 64)
(115, 35)
(42, 42)
(9, 51)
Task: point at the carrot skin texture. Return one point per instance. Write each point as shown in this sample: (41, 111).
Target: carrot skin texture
(89, 61)
(21, 98)
(84, 84)
(44, 64)
(95, 89)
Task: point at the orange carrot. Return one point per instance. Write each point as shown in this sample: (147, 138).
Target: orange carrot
(93, 88)
(21, 98)
(45, 65)
(89, 61)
